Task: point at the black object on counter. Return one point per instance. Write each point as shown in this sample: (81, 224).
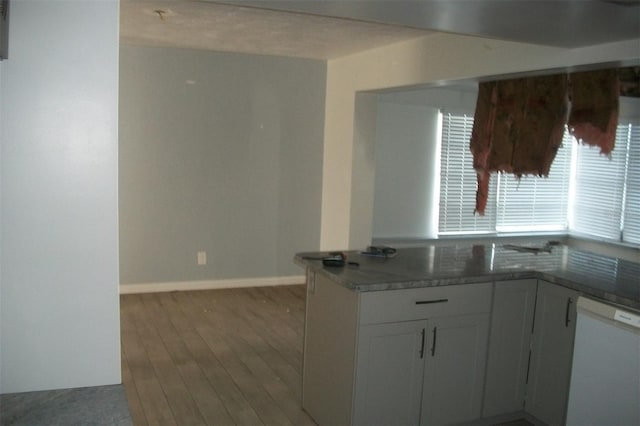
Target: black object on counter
(335, 258)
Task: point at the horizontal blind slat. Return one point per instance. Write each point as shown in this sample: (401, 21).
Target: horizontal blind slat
(513, 206)
(631, 231)
(458, 180)
(601, 196)
(599, 189)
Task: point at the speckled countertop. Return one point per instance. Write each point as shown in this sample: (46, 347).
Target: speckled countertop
(607, 278)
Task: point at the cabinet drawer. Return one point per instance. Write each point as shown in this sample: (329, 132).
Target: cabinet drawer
(422, 303)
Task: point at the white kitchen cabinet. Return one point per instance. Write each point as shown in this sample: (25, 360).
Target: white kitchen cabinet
(551, 353)
(509, 346)
(390, 373)
(381, 357)
(530, 350)
(329, 350)
(433, 367)
(454, 372)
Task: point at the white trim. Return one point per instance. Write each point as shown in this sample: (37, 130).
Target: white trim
(210, 284)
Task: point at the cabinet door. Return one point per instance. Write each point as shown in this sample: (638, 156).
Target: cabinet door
(455, 358)
(389, 375)
(509, 344)
(551, 353)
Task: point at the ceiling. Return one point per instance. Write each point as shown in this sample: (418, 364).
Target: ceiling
(326, 29)
(230, 28)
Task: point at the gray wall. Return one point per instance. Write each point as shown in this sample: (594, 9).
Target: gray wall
(59, 310)
(220, 153)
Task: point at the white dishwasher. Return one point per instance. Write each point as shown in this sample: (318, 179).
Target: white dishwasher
(605, 376)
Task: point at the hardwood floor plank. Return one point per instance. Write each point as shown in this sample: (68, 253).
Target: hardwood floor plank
(136, 355)
(248, 386)
(154, 402)
(219, 357)
(207, 399)
(258, 341)
(200, 345)
(286, 372)
(135, 406)
(184, 409)
(143, 379)
(279, 337)
(286, 399)
(253, 391)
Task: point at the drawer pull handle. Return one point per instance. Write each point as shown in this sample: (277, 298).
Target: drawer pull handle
(422, 345)
(433, 346)
(428, 302)
(567, 315)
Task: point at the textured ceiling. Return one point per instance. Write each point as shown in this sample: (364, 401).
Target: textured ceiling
(227, 28)
(326, 29)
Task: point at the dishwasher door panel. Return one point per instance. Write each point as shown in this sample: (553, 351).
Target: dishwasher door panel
(605, 376)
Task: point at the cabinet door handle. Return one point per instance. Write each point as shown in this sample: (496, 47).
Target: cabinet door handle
(427, 302)
(422, 344)
(567, 317)
(433, 346)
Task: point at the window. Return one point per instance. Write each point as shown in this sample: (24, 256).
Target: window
(606, 201)
(526, 205)
(535, 203)
(458, 181)
(585, 193)
(631, 221)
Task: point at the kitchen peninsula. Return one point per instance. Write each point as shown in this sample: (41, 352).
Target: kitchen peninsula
(443, 334)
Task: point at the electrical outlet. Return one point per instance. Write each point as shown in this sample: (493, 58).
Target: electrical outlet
(202, 258)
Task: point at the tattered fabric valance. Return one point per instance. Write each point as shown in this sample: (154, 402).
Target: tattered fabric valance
(519, 124)
(594, 108)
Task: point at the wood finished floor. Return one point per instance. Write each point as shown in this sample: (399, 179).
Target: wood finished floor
(214, 357)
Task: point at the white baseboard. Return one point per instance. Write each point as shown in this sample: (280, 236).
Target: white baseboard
(209, 284)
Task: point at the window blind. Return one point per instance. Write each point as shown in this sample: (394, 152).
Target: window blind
(599, 189)
(604, 192)
(535, 203)
(528, 205)
(458, 180)
(631, 222)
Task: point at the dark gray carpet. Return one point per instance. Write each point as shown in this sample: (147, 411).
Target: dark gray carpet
(101, 405)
